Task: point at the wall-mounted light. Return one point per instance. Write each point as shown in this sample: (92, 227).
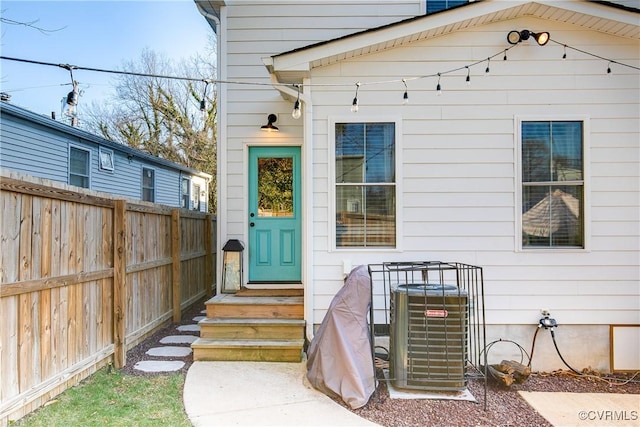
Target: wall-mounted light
(515, 37)
(269, 127)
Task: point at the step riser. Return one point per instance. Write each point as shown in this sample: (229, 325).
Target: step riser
(265, 311)
(251, 332)
(247, 354)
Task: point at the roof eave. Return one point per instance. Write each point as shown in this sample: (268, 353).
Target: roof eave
(293, 66)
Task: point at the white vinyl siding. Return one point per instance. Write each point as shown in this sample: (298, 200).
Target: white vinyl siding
(459, 183)
(459, 164)
(256, 30)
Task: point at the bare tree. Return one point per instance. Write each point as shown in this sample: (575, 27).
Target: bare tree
(162, 116)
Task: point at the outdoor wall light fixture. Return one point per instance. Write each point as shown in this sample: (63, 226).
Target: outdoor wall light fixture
(269, 127)
(515, 37)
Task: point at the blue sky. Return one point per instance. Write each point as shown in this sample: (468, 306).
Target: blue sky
(98, 34)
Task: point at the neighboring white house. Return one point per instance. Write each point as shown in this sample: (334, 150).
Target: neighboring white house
(531, 171)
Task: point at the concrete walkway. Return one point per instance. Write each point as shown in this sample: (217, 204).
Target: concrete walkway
(259, 393)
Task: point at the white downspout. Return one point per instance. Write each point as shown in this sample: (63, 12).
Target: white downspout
(307, 177)
(221, 91)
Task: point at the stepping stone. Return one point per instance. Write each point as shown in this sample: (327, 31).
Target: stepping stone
(159, 365)
(188, 328)
(169, 351)
(198, 318)
(204, 312)
(178, 339)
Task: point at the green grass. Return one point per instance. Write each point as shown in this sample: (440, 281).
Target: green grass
(114, 399)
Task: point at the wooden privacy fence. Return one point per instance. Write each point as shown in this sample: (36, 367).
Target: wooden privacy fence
(85, 277)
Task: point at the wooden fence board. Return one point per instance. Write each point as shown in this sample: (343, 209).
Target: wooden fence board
(10, 237)
(25, 238)
(84, 278)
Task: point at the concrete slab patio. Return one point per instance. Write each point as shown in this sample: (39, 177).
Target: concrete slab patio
(586, 409)
(259, 393)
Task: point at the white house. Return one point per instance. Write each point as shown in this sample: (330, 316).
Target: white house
(525, 162)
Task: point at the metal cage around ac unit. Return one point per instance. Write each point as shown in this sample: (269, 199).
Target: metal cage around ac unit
(434, 314)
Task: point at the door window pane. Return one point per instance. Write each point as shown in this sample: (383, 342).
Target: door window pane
(275, 186)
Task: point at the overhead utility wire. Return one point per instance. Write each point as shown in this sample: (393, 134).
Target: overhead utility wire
(271, 84)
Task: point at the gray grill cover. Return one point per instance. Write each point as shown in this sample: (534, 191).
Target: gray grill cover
(340, 363)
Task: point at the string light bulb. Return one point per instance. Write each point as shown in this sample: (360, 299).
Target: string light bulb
(354, 104)
(72, 97)
(468, 79)
(609, 68)
(505, 55)
(564, 55)
(203, 102)
(488, 64)
(438, 87)
(405, 97)
(296, 113)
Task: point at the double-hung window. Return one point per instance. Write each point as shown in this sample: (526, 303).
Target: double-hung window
(185, 196)
(79, 167)
(148, 185)
(552, 160)
(365, 185)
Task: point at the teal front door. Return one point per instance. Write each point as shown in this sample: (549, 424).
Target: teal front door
(274, 215)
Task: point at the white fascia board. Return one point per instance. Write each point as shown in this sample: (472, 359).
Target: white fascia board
(301, 60)
(591, 8)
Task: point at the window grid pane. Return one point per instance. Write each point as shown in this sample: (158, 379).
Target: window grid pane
(365, 185)
(552, 214)
(79, 167)
(148, 185)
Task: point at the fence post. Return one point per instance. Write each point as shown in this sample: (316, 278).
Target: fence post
(175, 254)
(208, 260)
(119, 282)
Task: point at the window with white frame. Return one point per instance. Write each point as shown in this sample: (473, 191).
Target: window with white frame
(148, 185)
(185, 196)
(365, 185)
(106, 159)
(79, 167)
(552, 159)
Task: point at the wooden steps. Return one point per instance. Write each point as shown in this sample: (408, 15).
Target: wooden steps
(259, 327)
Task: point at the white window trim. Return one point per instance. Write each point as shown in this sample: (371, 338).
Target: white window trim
(357, 118)
(110, 167)
(77, 147)
(195, 195)
(586, 147)
(155, 182)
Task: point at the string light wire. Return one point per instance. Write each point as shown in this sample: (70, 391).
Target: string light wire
(296, 86)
